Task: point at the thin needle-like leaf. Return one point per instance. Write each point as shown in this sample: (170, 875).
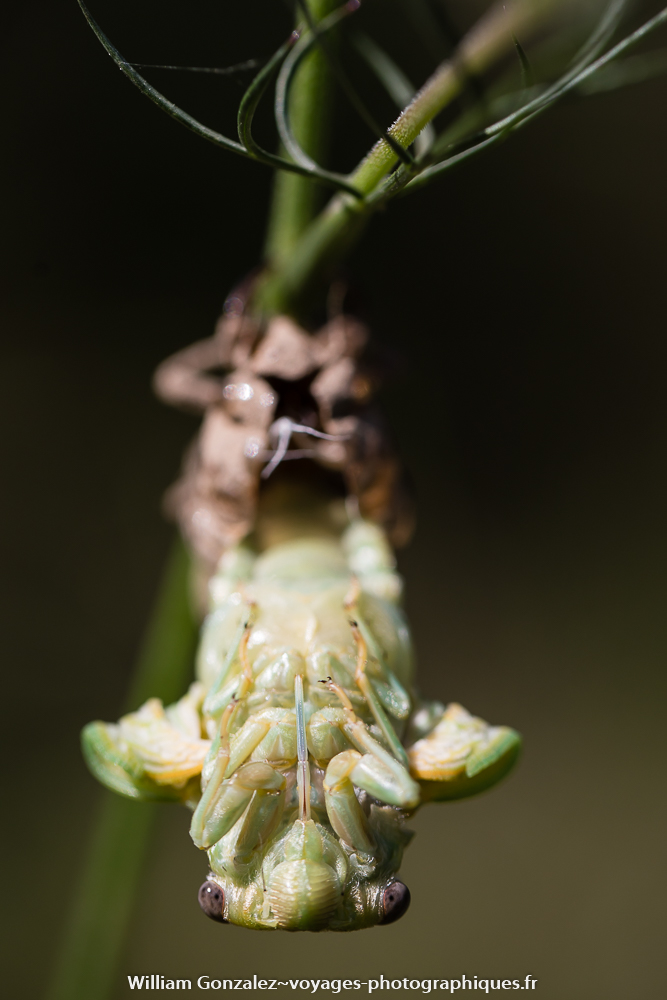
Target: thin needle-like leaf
(525, 114)
(198, 128)
(253, 96)
(246, 113)
(634, 69)
(218, 70)
(162, 102)
(527, 80)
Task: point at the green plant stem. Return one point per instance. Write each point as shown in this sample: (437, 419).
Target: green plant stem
(102, 908)
(492, 37)
(104, 901)
(292, 287)
(294, 274)
(296, 199)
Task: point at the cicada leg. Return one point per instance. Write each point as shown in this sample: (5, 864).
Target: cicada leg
(154, 753)
(234, 676)
(462, 755)
(217, 814)
(345, 813)
(362, 637)
(229, 783)
(220, 764)
(262, 815)
(371, 560)
(372, 769)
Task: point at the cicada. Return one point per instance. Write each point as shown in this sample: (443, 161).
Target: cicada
(303, 746)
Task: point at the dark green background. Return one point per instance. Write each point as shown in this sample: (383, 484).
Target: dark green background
(527, 295)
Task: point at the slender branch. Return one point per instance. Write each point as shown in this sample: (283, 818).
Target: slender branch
(394, 81)
(343, 220)
(491, 38)
(460, 143)
(333, 233)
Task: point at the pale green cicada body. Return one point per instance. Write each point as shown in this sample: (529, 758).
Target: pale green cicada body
(302, 747)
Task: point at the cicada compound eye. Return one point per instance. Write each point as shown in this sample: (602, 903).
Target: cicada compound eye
(212, 901)
(395, 902)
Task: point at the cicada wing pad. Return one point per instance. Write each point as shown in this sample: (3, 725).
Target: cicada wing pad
(154, 753)
(462, 755)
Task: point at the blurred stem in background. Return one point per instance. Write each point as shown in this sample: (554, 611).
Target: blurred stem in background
(104, 899)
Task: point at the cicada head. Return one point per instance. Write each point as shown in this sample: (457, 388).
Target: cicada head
(308, 880)
(304, 894)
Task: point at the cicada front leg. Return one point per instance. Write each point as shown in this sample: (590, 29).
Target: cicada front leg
(256, 787)
(343, 807)
(229, 783)
(461, 755)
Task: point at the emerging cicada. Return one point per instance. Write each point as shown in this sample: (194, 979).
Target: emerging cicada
(302, 747)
